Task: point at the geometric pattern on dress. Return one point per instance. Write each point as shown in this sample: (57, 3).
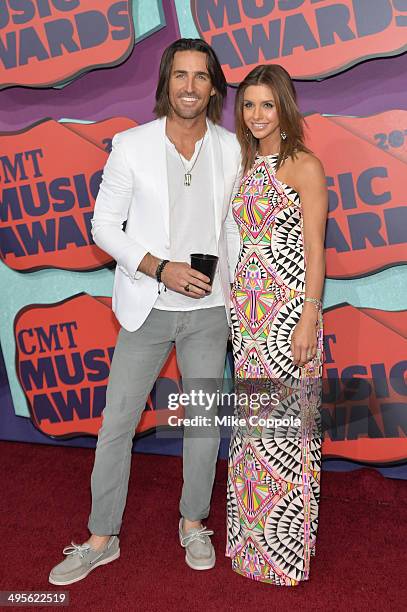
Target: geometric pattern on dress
(279, 339)
(315, 465)
(235, 532)
(284, 534)
(252, 363)
(287, 248)
(289, 408)
(255, 487)
(250, 562)
(314, 507)
(256, 203)
(237, 331)
(253, 562)
(273, 481)
(252, 209)
(284, 456)
(280, 403)
(256, 294)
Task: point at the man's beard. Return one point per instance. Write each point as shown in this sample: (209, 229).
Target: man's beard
(188, 113)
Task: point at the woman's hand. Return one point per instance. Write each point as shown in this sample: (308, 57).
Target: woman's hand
(304, 340)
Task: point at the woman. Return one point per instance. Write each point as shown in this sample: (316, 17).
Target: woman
(280, 208)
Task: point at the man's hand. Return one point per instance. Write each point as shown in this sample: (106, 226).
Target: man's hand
(177, 275)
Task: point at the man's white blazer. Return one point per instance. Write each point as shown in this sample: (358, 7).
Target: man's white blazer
(134, 189)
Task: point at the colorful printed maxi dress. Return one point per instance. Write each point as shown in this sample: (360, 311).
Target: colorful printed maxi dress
(273, 476)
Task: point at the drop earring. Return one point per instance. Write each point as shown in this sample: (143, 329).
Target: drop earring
(283, 135)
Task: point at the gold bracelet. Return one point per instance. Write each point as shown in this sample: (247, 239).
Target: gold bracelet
(317, 303)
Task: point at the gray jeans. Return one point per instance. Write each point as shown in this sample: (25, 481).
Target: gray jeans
(200, 337)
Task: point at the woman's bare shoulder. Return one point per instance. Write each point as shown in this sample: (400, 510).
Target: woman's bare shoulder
(304, 169)
(307, 161)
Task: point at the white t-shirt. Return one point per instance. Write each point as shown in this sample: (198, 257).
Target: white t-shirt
(192, 221)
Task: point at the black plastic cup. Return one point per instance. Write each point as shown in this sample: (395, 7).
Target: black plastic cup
(205, 263)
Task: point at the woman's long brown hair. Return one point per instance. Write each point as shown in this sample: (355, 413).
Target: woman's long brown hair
(290, 119)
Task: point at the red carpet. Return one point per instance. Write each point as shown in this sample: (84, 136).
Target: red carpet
(361, 549)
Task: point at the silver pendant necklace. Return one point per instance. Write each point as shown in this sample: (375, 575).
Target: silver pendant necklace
(188, 175)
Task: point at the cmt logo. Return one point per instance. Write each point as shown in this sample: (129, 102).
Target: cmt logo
(44, 42)
(63, 357)
(310, 38)
(47, 200)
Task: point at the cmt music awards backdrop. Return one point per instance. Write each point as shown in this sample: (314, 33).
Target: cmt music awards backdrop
(75, 72)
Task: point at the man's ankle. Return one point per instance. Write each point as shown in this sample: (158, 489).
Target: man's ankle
(98, 542)
(187, 525)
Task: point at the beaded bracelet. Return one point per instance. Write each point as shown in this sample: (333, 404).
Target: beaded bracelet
(317, 303)
(159, 271)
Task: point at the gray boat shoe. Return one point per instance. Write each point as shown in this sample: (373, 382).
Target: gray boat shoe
(81, 560)
(199, 552)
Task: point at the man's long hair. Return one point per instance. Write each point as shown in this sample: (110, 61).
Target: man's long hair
(290, 119)
(163, 107)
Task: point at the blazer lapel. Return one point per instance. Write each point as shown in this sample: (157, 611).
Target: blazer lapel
(217, 175)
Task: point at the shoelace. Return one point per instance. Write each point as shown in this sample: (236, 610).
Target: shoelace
(76, 549)
(199, 535)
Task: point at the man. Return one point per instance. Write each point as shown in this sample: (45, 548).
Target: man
(171, 181)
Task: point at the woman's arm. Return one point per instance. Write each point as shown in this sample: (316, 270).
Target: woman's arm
(311, 185)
